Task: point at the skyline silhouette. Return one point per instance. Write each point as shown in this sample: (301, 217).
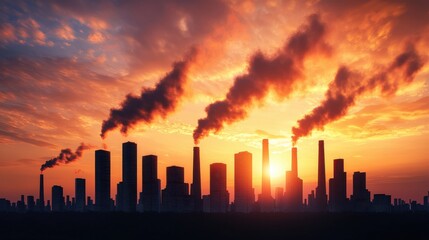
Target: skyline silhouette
(217, 76)
(179, 196)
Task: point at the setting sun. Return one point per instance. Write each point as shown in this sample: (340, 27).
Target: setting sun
(276, 172)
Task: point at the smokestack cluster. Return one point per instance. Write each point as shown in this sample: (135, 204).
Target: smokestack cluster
(152, 102)
(279, 74)
(348, 86)
(66, 156)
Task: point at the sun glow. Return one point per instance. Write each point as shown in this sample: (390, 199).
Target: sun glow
(275, 171)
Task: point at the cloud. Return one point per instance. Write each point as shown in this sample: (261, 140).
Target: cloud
(96, 37)
(44, 95)
(152, 33)
(7, 33)
(18, 135)
(65, 32)
(265, 134)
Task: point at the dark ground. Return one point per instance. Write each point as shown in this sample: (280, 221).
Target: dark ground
(213, 226)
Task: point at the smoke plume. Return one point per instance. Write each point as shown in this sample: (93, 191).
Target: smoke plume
(152, 102)
(66, 156)
(348, 86)
(279, 73)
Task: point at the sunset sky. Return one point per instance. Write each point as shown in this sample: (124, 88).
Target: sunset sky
(248, 70)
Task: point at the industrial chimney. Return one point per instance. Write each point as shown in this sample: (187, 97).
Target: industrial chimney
(41, 194)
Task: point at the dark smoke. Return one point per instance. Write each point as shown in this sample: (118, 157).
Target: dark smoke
(279, 74)
(348, 86)
(66, 156)
(153, 102)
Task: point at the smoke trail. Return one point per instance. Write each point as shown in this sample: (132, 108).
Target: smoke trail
(348, 86)
(66, 156)
(158, 101)
(279, 73)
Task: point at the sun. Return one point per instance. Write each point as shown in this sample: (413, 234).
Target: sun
(275, 171)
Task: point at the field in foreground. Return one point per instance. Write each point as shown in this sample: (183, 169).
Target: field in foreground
(213, 226)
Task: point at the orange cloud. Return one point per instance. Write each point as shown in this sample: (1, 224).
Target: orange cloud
(65, 32)
(7, 33)
(96, 37)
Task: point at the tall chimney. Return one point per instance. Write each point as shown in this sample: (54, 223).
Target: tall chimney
(196, 178)
(295, 161)
(266, 185)
(321, 197)
(41, 194)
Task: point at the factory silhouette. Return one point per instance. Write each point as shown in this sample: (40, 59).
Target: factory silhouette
(178, 196)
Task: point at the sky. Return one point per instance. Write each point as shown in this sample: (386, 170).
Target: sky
(221, 74)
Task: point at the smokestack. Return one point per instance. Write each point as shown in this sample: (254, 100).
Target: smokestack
(266, 185)
(294, 161)
(321, 197)
(41, 194)
(196, 179)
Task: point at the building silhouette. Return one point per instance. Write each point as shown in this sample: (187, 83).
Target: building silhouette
(321, 197)
(20, 205)
(361, 197)
(102, 180)
(426, 202)
(279, 199)
(150, 198)
(338, 187)
(294, 186)
(57, 198)
(382, 203)
(31, 205)
(175, 196)
(129, 176)
(80, 194)
(41, 201)
(196, 181)
(243, 190)
(265, 199)
(219, 195)
(119, 198)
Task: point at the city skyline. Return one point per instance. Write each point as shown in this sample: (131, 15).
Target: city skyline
(256, 192)
(220, 76)
(179, 196)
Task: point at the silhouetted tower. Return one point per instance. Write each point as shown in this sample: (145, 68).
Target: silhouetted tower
(243, 190)
(266, 186)
(338, 187)
(80, 194)
(129, 176)
(41, 203)
(196, 181)
(151, 193)
(57, 199)
(119, 196)
(175, 196)
(361, 196)
(426, 202)
(219, 196)
(321, 197)
(294, 185)
(102, 180)
(265, 199)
